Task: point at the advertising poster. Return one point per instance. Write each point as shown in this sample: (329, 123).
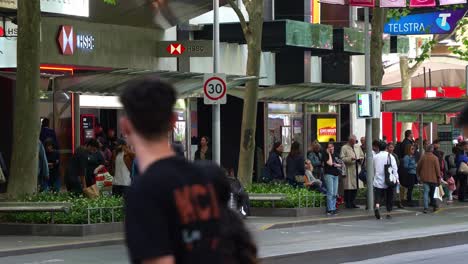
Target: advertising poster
(326, 129)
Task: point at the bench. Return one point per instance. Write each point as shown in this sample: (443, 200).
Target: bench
(267, 197)
(30, 207)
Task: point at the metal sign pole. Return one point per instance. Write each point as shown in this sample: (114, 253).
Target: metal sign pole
(369, 155)
(216, 111)
(466, 79)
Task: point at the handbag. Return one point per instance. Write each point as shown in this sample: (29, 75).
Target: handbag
(438, 193)
(390, 179)
(363, 176)
(91, 192)
(463, 168)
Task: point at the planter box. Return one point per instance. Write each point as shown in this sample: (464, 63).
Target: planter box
(18, 229)
(286, 212)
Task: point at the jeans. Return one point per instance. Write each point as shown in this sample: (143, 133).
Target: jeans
(462, 189)
(332, 191)
(429, 189)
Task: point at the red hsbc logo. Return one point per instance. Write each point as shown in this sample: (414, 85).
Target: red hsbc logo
(67, 40)
(175, 49)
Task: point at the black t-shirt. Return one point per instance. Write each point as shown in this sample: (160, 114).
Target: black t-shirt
(76, 168)
(173, 209)
(327, 169)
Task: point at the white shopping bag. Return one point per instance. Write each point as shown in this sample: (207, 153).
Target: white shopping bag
(437, 193)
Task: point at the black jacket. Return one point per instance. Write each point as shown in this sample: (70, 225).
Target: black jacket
(275, 166)
(405, 143)
(295, 166)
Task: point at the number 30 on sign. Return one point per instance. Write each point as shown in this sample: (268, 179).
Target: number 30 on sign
(214, 88)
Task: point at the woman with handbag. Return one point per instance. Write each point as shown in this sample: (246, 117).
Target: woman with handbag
(386, 178)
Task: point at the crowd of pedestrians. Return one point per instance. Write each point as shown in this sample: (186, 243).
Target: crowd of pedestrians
(398, 169)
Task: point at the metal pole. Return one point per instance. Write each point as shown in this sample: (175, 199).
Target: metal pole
(466, 79)
(425, 86)
(394, 128)
(216, 112)
(369, 155)
(421, 134)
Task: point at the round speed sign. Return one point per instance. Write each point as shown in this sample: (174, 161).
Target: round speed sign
(215, 88)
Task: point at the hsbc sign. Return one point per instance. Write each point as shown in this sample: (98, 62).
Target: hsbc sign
(69, 41)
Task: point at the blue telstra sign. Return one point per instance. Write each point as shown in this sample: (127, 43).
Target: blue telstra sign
(440, 22)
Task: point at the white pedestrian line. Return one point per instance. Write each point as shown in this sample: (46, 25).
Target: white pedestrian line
(46, 261)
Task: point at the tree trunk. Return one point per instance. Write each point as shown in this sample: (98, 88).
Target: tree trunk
(405, 90)
(24, 163)
(378, 20)
(249, 113)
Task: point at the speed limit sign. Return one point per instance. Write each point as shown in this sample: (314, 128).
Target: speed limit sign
(214, 88)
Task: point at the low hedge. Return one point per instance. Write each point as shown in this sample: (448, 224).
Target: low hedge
(78, 212)
(295, 197)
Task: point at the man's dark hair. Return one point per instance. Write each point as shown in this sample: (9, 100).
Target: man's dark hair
(408, 133)
(436, 141)
(462, 119)
(92, 143)
(149, 104)
(45, 122)
(382, 145)
(375, 143)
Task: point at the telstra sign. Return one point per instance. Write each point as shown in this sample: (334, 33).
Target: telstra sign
(440, 22)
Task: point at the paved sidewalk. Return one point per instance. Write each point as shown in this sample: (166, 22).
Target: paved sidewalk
(288, 235)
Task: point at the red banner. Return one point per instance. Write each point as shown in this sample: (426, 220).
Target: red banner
(368, 3)
(422, 3)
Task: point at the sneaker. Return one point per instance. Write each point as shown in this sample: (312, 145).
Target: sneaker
(436, 209)
(425, 211)
(335, 212)
(389, 217)
(377, 214)
(329, 213)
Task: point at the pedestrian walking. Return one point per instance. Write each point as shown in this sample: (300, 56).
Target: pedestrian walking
(174, 211)
(428, 170)
(332, 171)
(295, 166)
(353, 158)
(408, 177)
(384, 161)
(274, 166)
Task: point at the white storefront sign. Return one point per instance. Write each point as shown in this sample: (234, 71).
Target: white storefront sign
(63, 7)
(7, 52)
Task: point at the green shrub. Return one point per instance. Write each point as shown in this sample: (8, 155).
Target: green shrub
(295, 197)
(78, 212)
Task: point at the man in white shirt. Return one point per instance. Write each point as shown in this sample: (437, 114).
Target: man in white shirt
(381, 189)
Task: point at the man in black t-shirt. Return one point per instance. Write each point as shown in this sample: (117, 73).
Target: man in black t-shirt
(173, 210)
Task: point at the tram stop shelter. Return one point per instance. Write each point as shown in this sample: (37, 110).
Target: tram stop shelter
(427, 109)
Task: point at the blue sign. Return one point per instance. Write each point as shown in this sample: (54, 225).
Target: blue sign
(440, 22)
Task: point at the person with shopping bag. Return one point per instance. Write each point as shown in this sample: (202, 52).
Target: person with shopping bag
(428, 170)
(385, 180)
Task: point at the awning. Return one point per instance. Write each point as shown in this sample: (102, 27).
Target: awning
(426, 106)
(446, 71)
(187, 84)
(310, 93)
(44, 83)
